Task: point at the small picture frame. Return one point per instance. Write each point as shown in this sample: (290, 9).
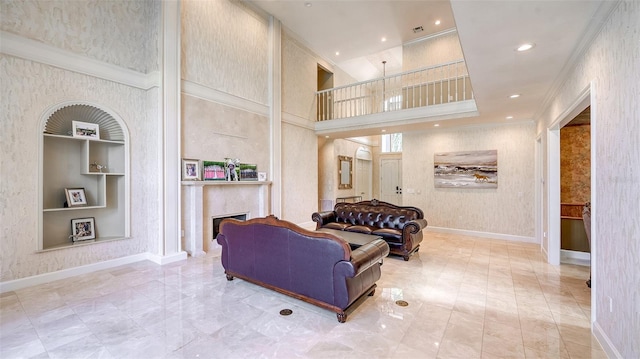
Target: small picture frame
(83, 229)
(190, 169)
(75, 197)
(248, 172)
(85, 130)
(262, 176)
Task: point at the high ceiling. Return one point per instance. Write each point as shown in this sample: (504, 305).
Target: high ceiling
(489, 33)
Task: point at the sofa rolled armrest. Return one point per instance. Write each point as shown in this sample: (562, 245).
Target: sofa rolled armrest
(415, 226)
(362, 258)
(322, 218)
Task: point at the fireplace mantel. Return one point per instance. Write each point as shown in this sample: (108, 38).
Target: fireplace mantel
(195, 212)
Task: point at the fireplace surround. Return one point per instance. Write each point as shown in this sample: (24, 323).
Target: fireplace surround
(204, 200)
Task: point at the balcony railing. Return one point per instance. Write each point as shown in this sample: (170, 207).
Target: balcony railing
(428, 86)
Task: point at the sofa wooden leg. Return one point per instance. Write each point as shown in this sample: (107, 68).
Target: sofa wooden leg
(342, 317)
(229, 277)
(406, 257)
(372, 293)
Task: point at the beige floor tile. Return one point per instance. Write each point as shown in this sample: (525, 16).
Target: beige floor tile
(468, 298)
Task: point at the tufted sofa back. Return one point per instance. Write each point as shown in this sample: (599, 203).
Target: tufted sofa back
(376, 214)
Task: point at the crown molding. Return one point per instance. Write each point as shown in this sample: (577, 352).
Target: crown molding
(36, 51)
(298, 121)
(209, 94)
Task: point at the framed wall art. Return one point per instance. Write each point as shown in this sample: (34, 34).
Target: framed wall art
(75, 197)
(85, 130)
(190, 170)
(466, 169)
(83, 229)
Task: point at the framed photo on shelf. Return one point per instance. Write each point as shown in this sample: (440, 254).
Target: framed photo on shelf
(85, 130)
(248, 172)
(213, 171)
(83, 229)
(262, 176)
(75, 197)
(190, 170)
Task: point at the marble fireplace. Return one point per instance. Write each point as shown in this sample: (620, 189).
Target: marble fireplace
(204, 201)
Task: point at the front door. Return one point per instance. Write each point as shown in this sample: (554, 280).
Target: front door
(363, 179)
(391, 180)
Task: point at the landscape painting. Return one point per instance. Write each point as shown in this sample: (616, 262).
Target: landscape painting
(466, 169)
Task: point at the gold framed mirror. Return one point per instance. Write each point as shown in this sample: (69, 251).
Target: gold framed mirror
(345, 172)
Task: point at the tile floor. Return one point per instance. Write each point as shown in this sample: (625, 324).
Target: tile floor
(468, 298)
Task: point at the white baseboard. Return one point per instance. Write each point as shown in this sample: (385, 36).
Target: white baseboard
(575, 257)
(162, 260)
(21, 283)
(508, 237)
(605, 342)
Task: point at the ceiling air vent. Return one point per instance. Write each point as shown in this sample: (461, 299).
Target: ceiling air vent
(418, 29)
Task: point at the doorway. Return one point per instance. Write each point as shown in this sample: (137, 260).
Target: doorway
(364, 179)
(553, 198)
(325, 103)
(391, 180)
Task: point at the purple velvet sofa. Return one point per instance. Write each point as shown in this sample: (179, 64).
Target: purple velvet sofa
(318, 268)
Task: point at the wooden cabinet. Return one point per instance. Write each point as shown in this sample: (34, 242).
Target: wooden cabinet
(99, 166)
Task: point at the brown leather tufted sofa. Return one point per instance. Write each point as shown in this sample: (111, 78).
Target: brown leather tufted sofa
(401, 227)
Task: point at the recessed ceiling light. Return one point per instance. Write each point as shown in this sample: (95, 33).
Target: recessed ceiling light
(384, 130)
(514, 96)
(437, 22)
(337, 53)
(436, 125)
(383, 39)
(525, 47)
(326, 136)
(308, 4)
(509, 117)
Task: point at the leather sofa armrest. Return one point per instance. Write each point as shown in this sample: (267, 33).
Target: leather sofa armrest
(322, 218)
(415, 226)
(362, 258)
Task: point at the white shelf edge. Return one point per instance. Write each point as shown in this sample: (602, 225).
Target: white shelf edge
(71, 208)
(103, 173)
(225, 183)
(67, 137)
(81, 243)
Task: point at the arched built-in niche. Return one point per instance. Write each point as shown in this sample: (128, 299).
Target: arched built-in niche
(84, 176)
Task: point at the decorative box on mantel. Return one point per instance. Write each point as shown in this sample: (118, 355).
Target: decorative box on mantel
(203, 200)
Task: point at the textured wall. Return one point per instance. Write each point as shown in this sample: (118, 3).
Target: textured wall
(328, 152)
(122, 33)
(299, 79)
(299, 173)
(509, 209)
(575, 164)
(27, 90)
(431, 52)
(611, 63)
(213, 132)
(225, 47)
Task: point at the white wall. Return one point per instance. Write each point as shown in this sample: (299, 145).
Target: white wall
(507, 210)
(431, 51)
(611, 65)
(123, 34)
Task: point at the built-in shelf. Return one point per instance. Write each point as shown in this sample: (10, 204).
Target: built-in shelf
(97, 165)
(81, 243)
